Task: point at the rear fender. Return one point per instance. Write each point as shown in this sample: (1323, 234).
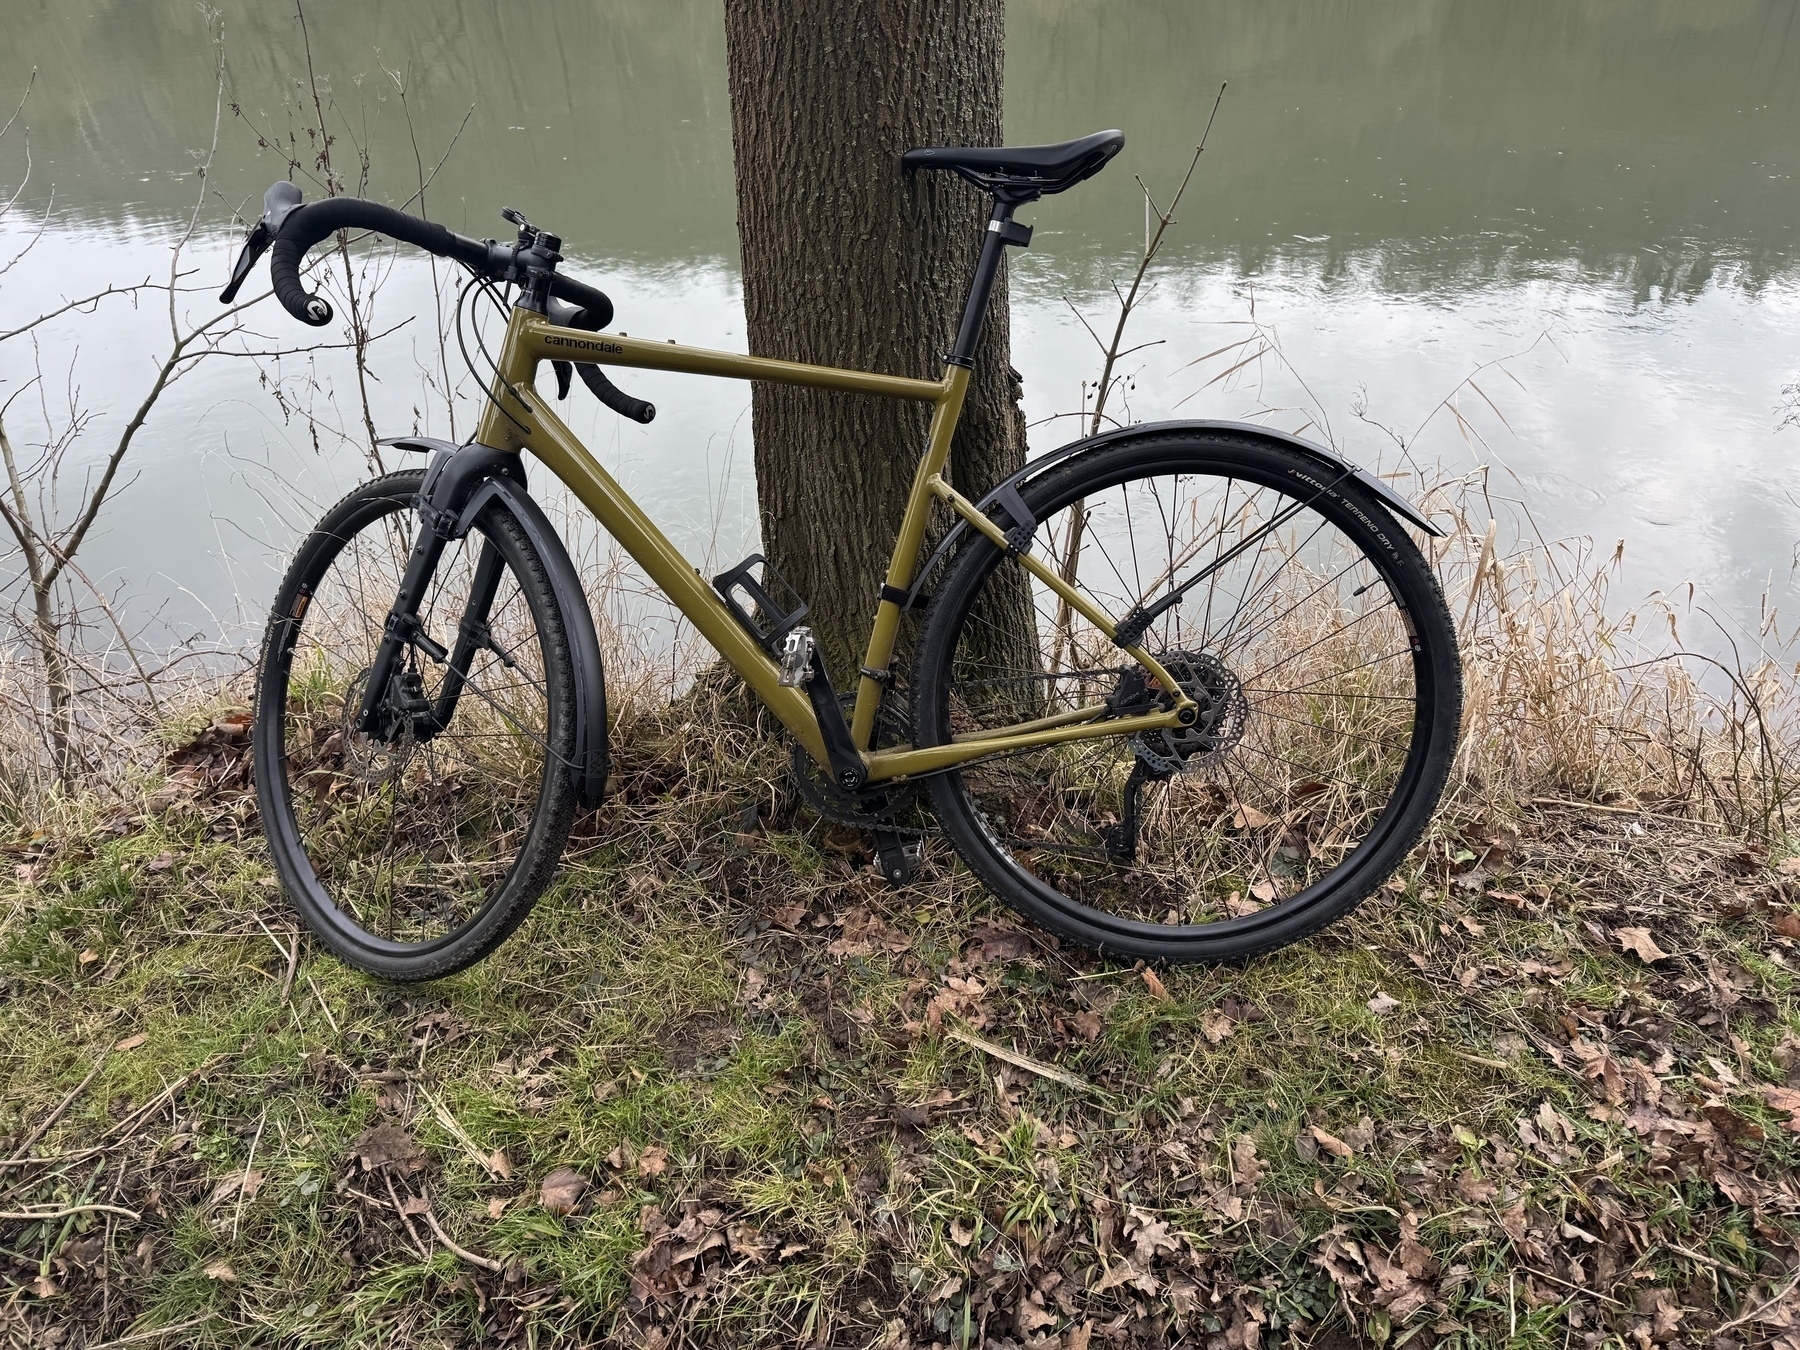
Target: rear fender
(1000, 492)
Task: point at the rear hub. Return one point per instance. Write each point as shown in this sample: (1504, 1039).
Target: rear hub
(1221, 711)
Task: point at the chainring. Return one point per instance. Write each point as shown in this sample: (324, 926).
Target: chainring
(870, 809)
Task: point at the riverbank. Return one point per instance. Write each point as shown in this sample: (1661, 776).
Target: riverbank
(726, 1088)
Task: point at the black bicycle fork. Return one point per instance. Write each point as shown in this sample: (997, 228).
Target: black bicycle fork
(393, 697)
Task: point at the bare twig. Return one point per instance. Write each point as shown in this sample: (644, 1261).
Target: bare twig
(249, 1164)
(44, 1126)
(94, 299)
(1018, 1061)
(1153, 240)
(405, 1218)
(485, 1262)
(29, 1214)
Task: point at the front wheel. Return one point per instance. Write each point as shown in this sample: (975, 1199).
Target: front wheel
(414, 849)
(1310, 633)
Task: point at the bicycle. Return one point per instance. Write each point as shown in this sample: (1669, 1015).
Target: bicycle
(1184, 691)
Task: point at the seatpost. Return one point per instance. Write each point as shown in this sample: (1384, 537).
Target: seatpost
(1002, 231)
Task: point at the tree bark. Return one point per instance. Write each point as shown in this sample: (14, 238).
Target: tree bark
(848, 263)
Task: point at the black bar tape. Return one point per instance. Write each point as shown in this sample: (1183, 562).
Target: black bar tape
(614, 397)
(305, 226)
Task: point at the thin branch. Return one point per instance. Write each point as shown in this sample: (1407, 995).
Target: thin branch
(94, 299)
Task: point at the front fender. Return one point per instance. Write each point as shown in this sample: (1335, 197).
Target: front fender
(1119, 435)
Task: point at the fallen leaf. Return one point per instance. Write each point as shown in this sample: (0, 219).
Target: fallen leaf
(998, 942)
(388, 1146)
(162, 862)
(866, 934)
(132, 1042)
(1784, 1099)
(1249, 818)
(1149, 1235)
(249, 1182)
(1383, 1003)
(562, 1190)
(218, 1270)
(789, 917)
(1476, 1190)
(1031, 1317)
(1788, 925)
(1237, 907)
(500, 1165)
(1331, 1143)
(653, 1161)
(1731, 1125)
(1246, 1167)
(1265, 890)
(1216, 1026)
(88, 957)
(1153, 982)
(1416, 1258)
(1122, 1274)
(1086, 1025)
(496, 1206)
(43, 1286)
(1640, 944)
(962, 1232)
(912, 1117)
(1361, 1136)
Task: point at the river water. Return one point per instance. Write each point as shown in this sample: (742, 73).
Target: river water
(1601, 198)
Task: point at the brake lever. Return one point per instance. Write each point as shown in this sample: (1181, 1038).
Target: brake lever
(569, 316)
(278, 201)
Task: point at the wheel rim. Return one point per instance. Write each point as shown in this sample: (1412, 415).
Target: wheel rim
(403, 845)
(1315, 702)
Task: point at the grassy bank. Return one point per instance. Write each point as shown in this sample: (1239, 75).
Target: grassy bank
(725, 1088)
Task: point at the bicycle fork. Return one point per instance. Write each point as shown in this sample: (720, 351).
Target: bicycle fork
(393, 698)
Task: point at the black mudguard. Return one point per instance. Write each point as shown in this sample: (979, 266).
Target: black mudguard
(1327, 457)
(481, 475)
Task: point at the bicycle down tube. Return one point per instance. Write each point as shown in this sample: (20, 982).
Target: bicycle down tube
(517, 418)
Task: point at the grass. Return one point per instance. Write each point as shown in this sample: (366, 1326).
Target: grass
(1469, 1116)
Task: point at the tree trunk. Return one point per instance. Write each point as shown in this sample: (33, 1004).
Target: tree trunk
(848, 263)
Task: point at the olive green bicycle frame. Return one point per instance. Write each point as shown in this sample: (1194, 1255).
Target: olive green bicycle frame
(517, 419)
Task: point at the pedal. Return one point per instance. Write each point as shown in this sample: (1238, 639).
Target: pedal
(767, 607)
(896, 856)
(796, 657)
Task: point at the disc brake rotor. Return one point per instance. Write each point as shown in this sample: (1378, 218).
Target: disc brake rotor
(1223, 710)
(365, 758)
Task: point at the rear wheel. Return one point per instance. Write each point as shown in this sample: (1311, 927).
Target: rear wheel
(1310, 633)
(415, 853)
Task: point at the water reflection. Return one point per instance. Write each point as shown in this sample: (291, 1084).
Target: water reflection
(1407, 193)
